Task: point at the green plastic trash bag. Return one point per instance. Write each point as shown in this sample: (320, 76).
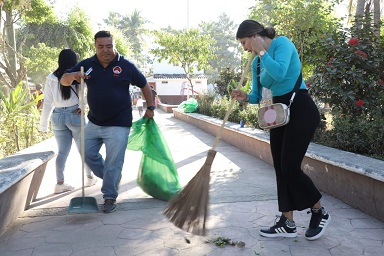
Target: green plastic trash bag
(189, 105)
(157, 174)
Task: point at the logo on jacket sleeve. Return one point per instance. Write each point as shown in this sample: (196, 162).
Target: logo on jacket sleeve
(117, 70)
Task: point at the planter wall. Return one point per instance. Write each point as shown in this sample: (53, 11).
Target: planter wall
(21, 175)
(355, 179)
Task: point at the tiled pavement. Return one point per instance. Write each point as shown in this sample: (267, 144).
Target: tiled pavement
(242, 200)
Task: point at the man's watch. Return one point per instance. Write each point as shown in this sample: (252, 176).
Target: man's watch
(151, 108)
(261, 53)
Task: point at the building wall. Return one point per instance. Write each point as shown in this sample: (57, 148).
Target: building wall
(180, 86)
(171, 84)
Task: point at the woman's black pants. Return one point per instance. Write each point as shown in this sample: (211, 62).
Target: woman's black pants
(289, 143)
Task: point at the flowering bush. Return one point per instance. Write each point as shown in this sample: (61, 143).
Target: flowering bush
(353, 41)
(349, 75)
(349, 78)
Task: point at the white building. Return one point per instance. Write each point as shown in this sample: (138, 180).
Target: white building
(172, 86)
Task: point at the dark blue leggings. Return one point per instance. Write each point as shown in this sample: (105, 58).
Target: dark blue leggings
(289, 143)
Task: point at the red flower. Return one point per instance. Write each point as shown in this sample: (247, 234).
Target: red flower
(382, 82)
(353, 41)
(308, 85)
(361, 53)
(329, 63)
(359, 103)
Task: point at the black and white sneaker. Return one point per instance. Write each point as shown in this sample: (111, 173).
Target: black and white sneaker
(109, 205)
(282, 228)
(319, 221)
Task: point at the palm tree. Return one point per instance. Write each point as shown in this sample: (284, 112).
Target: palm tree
(376, 16)
(134, 30)
(114, 19)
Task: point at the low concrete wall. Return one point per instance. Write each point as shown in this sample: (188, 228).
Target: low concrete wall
(166, 107)
(21, 175)
(355, 179)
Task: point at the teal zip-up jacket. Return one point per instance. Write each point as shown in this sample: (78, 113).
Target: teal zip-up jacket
(279, 69)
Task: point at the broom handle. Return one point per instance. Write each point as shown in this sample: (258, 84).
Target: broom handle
(239, 85)
(82, 148)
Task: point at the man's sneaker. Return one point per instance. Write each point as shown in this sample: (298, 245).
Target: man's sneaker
(319, 221)
(89, 181)
(282, 228)
(109, 205)
(62, 188)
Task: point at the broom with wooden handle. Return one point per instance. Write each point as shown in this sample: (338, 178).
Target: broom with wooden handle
(188, 209)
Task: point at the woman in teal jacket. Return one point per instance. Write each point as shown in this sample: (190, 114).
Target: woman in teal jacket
(280, 68)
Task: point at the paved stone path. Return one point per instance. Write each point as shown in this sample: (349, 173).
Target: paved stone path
(242, 200)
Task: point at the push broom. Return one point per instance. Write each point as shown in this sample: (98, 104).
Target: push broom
(188, 209)
(84, 204)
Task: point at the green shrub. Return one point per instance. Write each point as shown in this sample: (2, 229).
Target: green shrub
(19, 121)
(218, 108)
(360, 135)
(205, 102)
(251, 118)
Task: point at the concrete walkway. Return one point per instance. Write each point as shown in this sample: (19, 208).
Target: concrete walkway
(242, 200)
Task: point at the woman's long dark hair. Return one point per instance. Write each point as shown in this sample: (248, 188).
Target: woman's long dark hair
(67, 59)
(249, 28)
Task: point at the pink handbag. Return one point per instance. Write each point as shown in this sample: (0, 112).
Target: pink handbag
(275, 115)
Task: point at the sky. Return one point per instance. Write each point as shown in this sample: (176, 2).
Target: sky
(178, 14)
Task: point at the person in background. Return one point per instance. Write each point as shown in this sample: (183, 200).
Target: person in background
(39, 92)
(132, 97)
(62, 102)
(108, 76)
(157, 100)
(139, 105)
(280, 68)
(154, 96)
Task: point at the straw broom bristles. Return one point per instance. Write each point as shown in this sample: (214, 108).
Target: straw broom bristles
(188, 209)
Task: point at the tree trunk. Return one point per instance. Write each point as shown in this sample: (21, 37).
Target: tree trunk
(376, 17)
(359, 13)
(350, 14)
(11, 40)
(360, 8)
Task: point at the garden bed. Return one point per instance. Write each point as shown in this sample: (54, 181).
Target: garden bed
(355, 179)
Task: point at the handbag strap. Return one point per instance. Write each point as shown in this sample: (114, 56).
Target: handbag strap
(74, 91)
(295, 89)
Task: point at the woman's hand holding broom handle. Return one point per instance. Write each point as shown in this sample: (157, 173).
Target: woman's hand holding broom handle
(239, 85)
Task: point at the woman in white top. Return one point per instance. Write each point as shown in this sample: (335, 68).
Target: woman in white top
(62, 102)
(140, 105)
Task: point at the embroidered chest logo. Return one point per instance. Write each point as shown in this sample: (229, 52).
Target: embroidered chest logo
(117, 70)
